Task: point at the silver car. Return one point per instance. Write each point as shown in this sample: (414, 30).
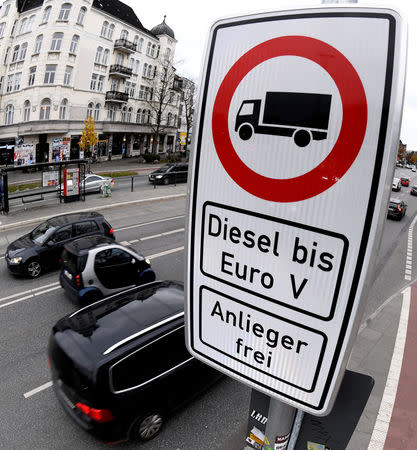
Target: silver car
(94, 182)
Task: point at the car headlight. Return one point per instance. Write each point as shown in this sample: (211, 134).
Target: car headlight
(158, 177)
(148, 261)
(16, 260)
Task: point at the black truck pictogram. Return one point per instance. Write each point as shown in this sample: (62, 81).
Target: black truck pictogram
(303, 116)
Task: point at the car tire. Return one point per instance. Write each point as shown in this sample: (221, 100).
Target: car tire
(147, 427)
(148, 277)
(166, 181)
(33, 268)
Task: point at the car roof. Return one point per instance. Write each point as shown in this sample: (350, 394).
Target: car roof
(395, 200)
(119, 319)
(65, 219)
(84, 244)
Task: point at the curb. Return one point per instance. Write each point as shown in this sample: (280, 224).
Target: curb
(96, 208)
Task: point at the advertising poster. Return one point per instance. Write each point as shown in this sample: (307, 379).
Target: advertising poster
(66, 145)
(57, 149)
(50, 178)
(24, 155)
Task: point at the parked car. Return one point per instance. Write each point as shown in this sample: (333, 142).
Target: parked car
(94, 267)
(396, 209)
(396, 184)
(413, 169)
(41, 249)
(405, 181)
(169, 173)
(413, 190)
(120, 365)
(92, 183)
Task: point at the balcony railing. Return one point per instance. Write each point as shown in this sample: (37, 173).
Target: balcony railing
(116, 96)
(124, 45)
(122, 71)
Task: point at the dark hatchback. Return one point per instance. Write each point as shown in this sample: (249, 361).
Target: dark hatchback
(120, 365)
(169, 173)
(396, 209)
(41, 249)
(413, 190)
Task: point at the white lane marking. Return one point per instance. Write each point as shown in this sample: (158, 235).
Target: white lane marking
(30, 291)
(380, 431)
(125, 243)
(38, 389)
(148, 223)
(409, 256)
(133, 241)
(35, 294)
(166, 233)
(167, 252)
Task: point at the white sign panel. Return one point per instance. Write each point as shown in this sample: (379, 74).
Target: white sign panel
(298, 129)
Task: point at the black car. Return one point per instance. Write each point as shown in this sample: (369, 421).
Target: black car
(396, 209)
(413, 190)
(120, 365)
(41, 249)
(169, 173)
(94, 267)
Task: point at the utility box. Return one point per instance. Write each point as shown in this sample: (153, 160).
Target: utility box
(71, 184)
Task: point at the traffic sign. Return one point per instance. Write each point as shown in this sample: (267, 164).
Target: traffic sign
(295, 145)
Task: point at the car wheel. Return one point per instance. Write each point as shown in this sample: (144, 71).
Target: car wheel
(148, 277)
(33, 268)
(148, 427)
(166, 181)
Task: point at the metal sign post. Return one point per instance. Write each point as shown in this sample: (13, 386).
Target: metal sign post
(295, 146)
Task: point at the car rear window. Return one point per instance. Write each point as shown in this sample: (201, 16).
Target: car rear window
(74, 263)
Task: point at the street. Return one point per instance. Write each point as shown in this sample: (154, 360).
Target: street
(32, 417)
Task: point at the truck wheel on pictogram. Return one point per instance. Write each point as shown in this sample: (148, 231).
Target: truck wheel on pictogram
(302, 138)
(245, 132)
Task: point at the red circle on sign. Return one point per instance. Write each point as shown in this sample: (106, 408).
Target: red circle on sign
(348, 143)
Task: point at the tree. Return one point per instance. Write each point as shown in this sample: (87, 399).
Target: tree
(189, 95)
(160, 98)
(89, 136)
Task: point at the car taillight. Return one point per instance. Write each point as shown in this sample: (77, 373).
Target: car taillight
(399, 208)
(111, 231)
(78, 281)
(98, 415)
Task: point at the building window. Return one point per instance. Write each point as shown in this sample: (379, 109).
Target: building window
(138, 116)
(97, 112)
(123, 116)
(100, 83)
(145, 69)
(17, 81)
(105, 56)
(23, 49)
(148, 48)
(136, 68)
(74, 44)
(9, 114)
(13, 28)
(111, 31)
(67, 76)
(15, 53)
(153, 48)
(23, 25)
(1, 84)
(129, 115)
(140, 45)
(149, 72)
(38, 44)
(119, 59)
(31, 22)
(50, 74)
(114, 85)
(169, 118)
(124, 34)
(143, 116)
(90, 110)
(32, 73)
(64, 11)
(168, 54)
(56, 42)
(10, 79)
(2, 27)
(131, 63)
(99, 54)
(6, 10)
(63, 109)
(132, 90)
(93, 82)
(46, 14)
(26, 111)
(81, 15)
(104, 28)
(45, 110)
(111, 113)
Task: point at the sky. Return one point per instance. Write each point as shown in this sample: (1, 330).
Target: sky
(191, 21)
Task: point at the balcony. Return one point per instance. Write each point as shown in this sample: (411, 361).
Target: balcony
(116, 97)
(124, 45)
(120, 71)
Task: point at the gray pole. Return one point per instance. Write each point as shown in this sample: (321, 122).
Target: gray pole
(280, 421)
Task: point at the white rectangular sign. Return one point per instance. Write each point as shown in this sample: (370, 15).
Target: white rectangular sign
(299, 119)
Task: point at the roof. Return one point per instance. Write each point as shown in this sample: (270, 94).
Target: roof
(121, 11)
(163, 28)
(82, 245)
(69, 218)
(27, 5)
(110, 321)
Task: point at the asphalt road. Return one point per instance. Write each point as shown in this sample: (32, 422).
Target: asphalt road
(34, 420)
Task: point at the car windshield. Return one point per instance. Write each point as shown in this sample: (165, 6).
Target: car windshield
(164, 168)
(42, 232)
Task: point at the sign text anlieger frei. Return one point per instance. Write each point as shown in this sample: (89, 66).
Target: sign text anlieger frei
(293, 157)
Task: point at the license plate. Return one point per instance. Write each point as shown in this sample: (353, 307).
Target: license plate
(67, 274)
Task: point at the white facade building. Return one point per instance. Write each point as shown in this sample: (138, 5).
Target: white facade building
(62, 61)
